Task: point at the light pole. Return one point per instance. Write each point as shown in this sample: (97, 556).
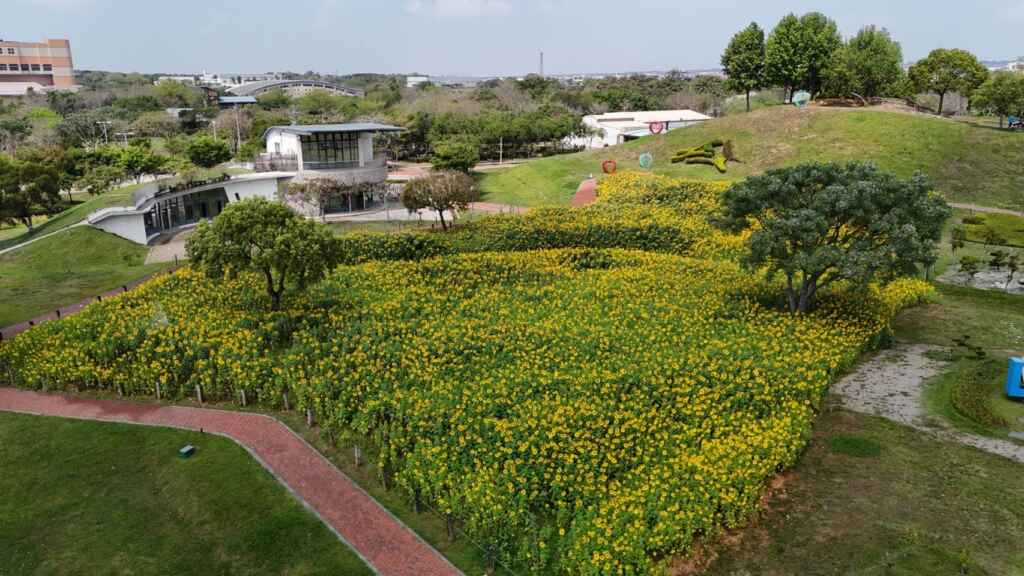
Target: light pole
(104, 124)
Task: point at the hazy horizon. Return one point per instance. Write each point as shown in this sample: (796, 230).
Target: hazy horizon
(467, 37)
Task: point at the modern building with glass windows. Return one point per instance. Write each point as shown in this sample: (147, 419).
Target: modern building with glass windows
(340, 152)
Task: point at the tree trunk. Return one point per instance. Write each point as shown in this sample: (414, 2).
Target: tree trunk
(942, 101)
(444, 225)
(748, 100)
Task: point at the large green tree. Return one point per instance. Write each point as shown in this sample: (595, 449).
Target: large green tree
(267, 238)
(139, 161)
(28, 188)
(944, 71)
(875, 62)
(817, 224)
(743, 61)
(1002, 94)
(207, 151)
(799, 51)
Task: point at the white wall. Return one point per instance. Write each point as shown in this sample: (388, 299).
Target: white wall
(246, 189)
(129, 226)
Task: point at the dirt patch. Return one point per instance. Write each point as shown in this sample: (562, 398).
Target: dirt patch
(892, 384)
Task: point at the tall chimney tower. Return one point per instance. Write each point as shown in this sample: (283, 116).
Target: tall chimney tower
(542, 64)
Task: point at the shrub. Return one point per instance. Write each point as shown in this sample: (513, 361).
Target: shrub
(974, 220)
(972, 389)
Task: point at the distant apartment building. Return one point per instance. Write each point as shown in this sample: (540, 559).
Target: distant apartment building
(37, 66)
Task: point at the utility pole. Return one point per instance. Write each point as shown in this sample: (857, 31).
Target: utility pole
(104, 124)
(238, 132)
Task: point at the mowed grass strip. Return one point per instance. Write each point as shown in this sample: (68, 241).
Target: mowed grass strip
(967, 162)
(916, 506)
(101, 498)
(65, 269)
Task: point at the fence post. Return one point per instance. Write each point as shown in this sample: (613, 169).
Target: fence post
(158, 390)
(245, 401)
(309, 417)
(287, 405)
(358, 455)
(58, 313)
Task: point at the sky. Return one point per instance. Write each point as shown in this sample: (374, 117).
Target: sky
(471, 37)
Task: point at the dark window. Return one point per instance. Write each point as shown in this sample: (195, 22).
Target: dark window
(11, 51)
(330, 150)
(36, 67)
(3, 66)
(237, 197)
(48, 67)
(24, 67)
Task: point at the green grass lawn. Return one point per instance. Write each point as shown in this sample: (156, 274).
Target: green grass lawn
(99, 498)
(1008, 226)
(73, 215)
(994, 320)
(968, 162)
(910, 505)
(65, 269)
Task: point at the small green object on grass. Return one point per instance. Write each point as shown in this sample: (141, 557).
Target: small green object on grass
(854, 445)
(646, 160)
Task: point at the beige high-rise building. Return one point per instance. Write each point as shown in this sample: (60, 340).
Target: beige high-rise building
(41, 66)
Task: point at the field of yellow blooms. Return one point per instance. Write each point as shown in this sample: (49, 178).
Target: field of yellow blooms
(576, 411)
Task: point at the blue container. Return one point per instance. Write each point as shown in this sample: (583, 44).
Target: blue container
(1015, 379)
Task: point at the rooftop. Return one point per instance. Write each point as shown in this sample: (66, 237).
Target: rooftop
(261, 86)
(310, 129)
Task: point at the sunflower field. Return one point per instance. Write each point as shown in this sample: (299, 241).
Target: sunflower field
(581, 410)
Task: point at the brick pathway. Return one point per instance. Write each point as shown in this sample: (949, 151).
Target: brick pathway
(586, 193)
(384, 542)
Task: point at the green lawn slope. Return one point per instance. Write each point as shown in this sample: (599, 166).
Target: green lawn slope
(66, 268)
(100, 498)
(967, 162)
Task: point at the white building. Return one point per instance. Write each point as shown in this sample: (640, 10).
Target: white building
(342, 152)
(615, 128)
(414, 81)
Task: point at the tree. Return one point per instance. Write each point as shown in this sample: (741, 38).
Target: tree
(155, 124)
(744, 61)
(27, 189)
(970, 266)
(267, 238)
(441, 192)
(875, 62)
(63, 102)
(944, 71)
(1002, 94)
(821, 223)
(957, 239)
(174, 94)
(13, 131)
(276, 99)
(1012, 267)
(102, 178)
(800, 51)
(207, 151)
(138, 161)
(455, 154)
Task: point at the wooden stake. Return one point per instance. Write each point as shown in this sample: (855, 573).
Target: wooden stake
(199, 393)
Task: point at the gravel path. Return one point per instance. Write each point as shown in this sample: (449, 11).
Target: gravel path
(892, 385)
(986, 209)
(387, 545)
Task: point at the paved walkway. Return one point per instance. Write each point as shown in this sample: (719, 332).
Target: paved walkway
(986, 209)
(494, 208)
(586, 193)
(383, 541)
(891, 385)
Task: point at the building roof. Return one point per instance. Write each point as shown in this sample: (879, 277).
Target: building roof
(257, 88)
(651, 116)
(334, 128)
(237, 100)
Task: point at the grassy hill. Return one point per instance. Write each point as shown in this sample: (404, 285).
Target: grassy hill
(65, 269)
(967, 162)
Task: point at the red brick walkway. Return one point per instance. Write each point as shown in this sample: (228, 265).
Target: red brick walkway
(586, 193)
(385, 543)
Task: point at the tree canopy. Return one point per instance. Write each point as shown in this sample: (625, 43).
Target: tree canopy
(207, 151)
(799, 51)
(1002, 94)
(821, 223)
(28, 188)
(944, 71)
(743, 61)
(441, 192)
(874, 61)
(265, 237)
